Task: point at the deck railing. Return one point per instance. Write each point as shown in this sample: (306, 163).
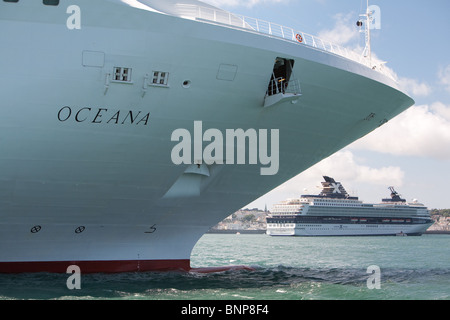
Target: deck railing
(280, 85)
(278, 31)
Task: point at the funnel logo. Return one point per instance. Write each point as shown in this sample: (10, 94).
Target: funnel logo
(336, 187)
(234, 146)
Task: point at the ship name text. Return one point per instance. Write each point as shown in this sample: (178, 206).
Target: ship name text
(103, 115)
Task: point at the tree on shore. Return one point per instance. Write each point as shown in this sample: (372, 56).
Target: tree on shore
(441, 212)
(249, 218)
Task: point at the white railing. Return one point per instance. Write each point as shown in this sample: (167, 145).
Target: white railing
(280, 85)
(279, 31)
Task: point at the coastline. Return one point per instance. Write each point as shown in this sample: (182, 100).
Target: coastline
(216, 231)
(243, 231)
(253, 221)
(437, 232)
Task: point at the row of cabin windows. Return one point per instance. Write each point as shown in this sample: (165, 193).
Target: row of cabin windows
(46, 2)
(121, 74)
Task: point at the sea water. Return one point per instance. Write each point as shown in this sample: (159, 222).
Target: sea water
(284, 268)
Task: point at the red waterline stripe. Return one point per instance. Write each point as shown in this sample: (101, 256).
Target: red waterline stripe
(96, 266)
(111, 266)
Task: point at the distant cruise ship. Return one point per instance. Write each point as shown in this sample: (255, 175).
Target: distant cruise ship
(334, 213)
(92, 93)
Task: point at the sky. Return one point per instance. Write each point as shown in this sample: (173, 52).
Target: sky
(412, 151)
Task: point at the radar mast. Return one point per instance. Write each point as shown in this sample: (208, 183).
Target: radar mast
(372, 13)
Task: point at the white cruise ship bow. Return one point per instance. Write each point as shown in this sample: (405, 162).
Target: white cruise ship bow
(91, 94)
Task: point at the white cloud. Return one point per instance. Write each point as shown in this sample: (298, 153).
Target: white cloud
(347, 35)
(344, 165)
(345, 168)
(420, 131)
(444, 77)
(344, 31)
(357, 178)
(414, 87)
(441, 109)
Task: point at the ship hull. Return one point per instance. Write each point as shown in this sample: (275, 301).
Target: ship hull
(348, 230)
(86, 175)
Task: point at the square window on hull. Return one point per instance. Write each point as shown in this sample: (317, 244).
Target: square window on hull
(122, 74)
(160, 78)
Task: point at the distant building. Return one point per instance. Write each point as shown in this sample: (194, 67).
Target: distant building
(244, 219)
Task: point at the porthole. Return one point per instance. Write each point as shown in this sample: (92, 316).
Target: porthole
(186, 84)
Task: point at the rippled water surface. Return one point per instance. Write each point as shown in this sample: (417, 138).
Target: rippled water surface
(411, 268)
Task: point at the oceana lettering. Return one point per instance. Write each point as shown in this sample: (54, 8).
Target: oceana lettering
(103, 115)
